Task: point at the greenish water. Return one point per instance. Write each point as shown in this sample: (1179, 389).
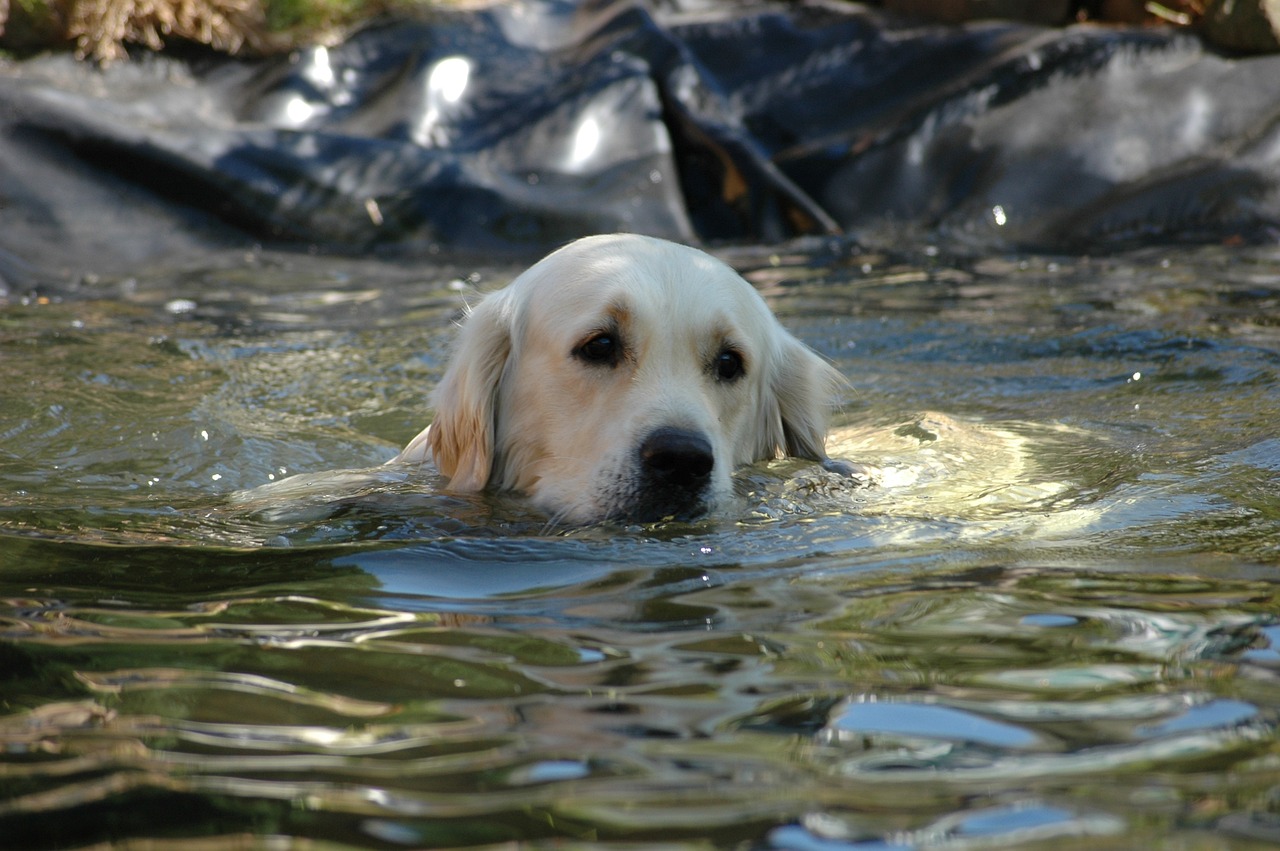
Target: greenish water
(1055, 622)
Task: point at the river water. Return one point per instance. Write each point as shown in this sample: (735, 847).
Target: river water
(1049, 618)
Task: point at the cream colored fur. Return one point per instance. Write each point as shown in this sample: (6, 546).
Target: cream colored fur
(520, 410)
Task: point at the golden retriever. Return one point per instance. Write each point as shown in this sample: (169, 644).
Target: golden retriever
(623, 377)
(627, 378)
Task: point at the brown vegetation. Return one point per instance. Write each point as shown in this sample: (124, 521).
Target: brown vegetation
(100, 29)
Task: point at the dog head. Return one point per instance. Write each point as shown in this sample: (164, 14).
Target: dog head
(624, 377)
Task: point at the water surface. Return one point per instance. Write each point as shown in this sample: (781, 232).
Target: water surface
(1050, 622)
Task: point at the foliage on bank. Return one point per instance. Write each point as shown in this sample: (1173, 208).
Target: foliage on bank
(102, 30)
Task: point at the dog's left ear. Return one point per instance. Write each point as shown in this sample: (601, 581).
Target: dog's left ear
(801, 393)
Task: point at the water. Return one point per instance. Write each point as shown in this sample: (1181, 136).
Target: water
(1051, 622)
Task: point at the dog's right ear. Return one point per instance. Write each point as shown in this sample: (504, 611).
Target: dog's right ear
(462, 434)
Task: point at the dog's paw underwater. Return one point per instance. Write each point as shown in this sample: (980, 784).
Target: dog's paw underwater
(929, 467)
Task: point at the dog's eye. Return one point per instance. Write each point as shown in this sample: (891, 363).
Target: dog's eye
(729, 365)
(601, 349)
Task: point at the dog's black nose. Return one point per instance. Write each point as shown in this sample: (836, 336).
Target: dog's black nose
(674, 457)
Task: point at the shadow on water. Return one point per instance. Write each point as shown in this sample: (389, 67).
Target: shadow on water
(1046, 612)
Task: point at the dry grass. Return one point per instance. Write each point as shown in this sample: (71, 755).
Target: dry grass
(100, 28)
